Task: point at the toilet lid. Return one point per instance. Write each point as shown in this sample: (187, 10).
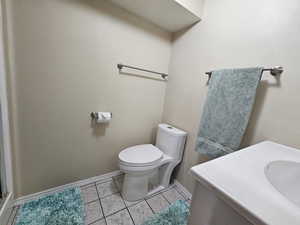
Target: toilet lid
(140, 155)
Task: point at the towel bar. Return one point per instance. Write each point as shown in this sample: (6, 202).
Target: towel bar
(163, 75)
(275, 71)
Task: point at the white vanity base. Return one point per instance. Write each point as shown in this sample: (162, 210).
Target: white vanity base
(208, 209)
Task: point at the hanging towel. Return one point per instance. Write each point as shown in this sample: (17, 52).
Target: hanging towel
(227, 110)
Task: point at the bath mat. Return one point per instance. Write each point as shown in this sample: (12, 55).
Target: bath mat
(176, 214)
(61, 208)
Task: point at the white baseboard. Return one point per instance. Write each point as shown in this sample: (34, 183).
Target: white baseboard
(183, 189)
(23, 199)
(6, 209)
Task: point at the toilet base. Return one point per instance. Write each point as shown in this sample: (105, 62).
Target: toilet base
(155, 190)
(136, 185)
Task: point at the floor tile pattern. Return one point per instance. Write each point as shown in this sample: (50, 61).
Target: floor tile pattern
(89, 193)
(158, 203)
(104, 204)
(140, 212)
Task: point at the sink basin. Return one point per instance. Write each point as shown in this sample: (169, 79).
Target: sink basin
(285, 177)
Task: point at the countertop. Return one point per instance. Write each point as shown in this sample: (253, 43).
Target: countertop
(240, 180)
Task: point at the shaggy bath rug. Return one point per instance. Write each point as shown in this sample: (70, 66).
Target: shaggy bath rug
(176, 214)
(64, 207)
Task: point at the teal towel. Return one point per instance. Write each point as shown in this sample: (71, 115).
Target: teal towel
(227, 110)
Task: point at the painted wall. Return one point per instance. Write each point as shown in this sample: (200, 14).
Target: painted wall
(63, 57)
(196, 6)
(236, 33)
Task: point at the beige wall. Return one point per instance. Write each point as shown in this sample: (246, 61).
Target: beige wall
(63, 66)
(236, 33)
(195, 6)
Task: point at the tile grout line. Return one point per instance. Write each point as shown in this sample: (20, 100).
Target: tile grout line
(166, 199)
(118, 191)
(182, 193)
(108, 195)
(15, 215)
(150, 207)
(135, 203)
(177, 192)
(106, 180)
(100, 203)
(124, 203)
(91, 201)
(146, 198)
(104, 216)
(153, 195)
(115, 212)
(130, 216)
(185, 199)
(127, 207)
(92, 184)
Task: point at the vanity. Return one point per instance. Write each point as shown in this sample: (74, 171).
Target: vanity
(257, 185)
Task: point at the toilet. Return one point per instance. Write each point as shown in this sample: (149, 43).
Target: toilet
(148, 168)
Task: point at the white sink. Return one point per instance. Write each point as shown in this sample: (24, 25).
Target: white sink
(261, 183)
(285, 177)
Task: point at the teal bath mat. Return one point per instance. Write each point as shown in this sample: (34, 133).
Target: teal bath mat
(176, 214)
(62, 208)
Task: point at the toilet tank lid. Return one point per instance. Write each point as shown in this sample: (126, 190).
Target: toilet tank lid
(172, 130)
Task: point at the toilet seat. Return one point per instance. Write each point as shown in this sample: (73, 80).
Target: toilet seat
(140, 156)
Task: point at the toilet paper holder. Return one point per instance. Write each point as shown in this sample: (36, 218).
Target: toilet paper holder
(98, 116)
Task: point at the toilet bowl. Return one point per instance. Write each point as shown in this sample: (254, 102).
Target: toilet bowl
(142, 164)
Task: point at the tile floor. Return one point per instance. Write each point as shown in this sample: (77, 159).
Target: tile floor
(104, 204)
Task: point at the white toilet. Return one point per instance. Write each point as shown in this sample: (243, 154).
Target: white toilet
(147, 165)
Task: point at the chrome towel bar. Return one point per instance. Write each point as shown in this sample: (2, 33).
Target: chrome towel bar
(275, 71)
(163, 75)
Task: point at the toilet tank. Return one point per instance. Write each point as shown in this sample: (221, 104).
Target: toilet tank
(170, 140)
